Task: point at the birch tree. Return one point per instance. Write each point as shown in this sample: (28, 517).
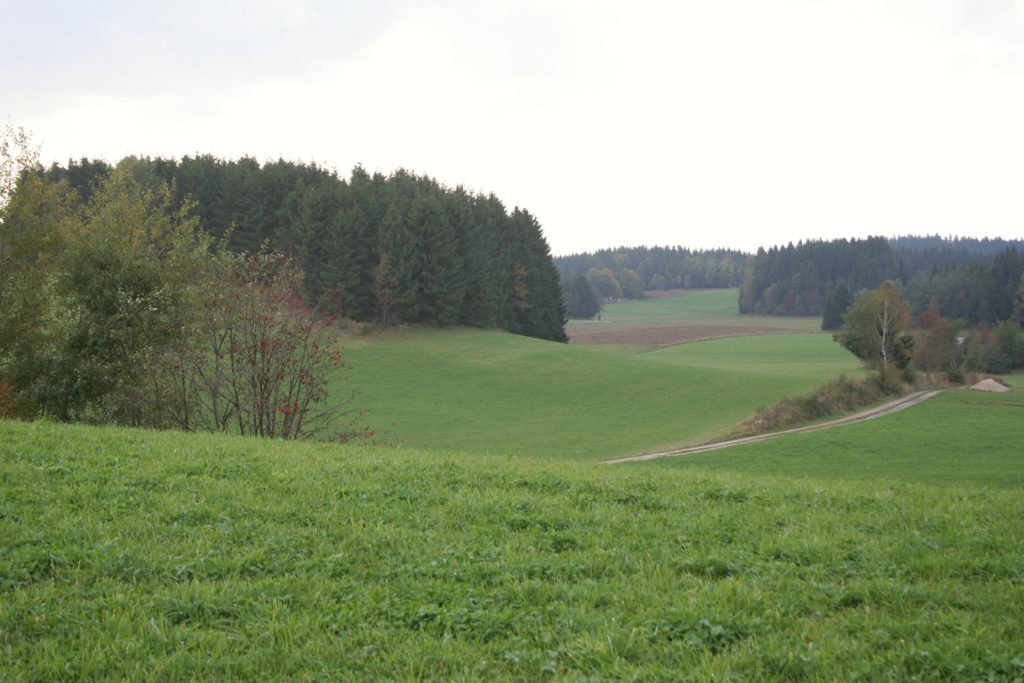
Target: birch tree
(874, 330)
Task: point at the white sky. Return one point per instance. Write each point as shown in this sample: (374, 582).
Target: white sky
(703, 123)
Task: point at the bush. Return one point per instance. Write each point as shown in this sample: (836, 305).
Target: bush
(124, 311)
(259, 363)
(834, 398)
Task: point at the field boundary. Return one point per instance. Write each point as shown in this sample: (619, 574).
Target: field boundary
(871, 414)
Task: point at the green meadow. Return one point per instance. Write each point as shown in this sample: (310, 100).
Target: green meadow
(959, 438)
(490, 392)
(484, 542)
(702, 306)
(132, 555)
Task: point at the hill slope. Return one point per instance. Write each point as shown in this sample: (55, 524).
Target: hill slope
(469, 390)
(127, 554)
(960, 437)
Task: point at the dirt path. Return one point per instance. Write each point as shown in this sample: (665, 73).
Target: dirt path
(878, 411)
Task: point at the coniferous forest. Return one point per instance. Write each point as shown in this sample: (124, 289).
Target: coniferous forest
(402, 248)
(970, 279)
(390, 249)
(978, 281)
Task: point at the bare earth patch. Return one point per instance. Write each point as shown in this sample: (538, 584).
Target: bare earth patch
(990, 385)
(662, 335)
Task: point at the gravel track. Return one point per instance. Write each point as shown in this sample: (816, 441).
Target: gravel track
(876, 412)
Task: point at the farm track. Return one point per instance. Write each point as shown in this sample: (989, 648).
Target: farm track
(876, 412)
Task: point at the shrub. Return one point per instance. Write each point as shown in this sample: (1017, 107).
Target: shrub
(839, 396)
(259, 363)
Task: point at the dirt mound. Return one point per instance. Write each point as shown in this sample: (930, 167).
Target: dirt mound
(990, 385)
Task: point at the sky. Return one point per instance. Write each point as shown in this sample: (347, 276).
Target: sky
(725, 123)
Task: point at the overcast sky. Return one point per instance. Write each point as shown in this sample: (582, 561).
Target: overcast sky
(702, 123)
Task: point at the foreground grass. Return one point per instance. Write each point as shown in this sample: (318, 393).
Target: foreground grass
(477, 391)
(960, 437)
(161, 556)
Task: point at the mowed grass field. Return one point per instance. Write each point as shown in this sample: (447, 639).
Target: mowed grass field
(133, 555)
(698, 306)
(959, 438)
(491, 392)
(677, 317)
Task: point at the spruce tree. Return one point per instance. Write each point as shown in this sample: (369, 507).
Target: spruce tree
(838, 300)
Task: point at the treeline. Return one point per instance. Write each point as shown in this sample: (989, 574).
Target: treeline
(921, 253)
(392, 249)
(795, 280)
(657, 268)
(980, 291)
(975, 280)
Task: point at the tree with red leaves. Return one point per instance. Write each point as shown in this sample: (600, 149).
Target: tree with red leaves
(265, 365)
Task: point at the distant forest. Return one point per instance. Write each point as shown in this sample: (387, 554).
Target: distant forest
(975, 280)
(637, 269)
(971, 279)
(392, 249)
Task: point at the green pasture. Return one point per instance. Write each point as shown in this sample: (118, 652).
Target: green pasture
(958, 438)
(814, 357)
(133, 555)
(698, 306)
(491, 392)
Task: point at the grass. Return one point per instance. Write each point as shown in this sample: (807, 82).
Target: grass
(490, 392)
(812, 357)
(699, 306)
(160, 556)
(959, 438)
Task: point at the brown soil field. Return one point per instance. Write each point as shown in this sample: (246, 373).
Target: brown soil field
(662, 335)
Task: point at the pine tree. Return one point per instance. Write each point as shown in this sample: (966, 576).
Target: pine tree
(582, 302)
(838, 300)
(394, 289)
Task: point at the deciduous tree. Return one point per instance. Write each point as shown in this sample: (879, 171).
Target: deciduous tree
(631, 284)
(874, 329)
(604, 283)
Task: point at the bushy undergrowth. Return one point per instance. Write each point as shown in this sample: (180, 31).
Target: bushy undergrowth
(122, 310)
(834, 398)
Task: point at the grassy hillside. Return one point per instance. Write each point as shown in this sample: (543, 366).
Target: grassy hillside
(680, 316)
(161, 556)
(812, 357)
(468, 390)
(959, 438)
